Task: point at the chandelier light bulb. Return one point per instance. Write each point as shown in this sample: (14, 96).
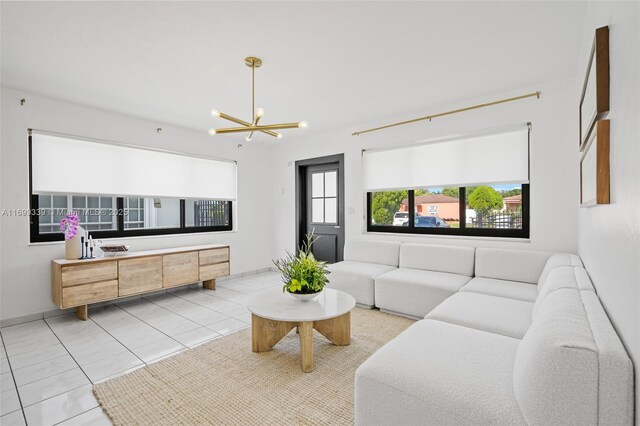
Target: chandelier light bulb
(212, 132)
(215, 113)
(259, 112)
(247, 138)
(303, 124)
(279, 136)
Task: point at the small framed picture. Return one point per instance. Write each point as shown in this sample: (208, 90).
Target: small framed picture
(594, 102)
(594, 167)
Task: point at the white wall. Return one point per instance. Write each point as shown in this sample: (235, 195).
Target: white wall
(554, 171)
(609, 235)
(25, 270)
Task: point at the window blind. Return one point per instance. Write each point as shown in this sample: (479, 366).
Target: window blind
(499, 157)
(64, 165)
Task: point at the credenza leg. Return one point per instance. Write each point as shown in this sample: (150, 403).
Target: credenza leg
(82, 312)
(209, 284)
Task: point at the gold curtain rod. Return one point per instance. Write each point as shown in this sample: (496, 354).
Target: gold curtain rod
(455, 111)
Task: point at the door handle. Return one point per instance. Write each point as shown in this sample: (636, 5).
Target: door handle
(337, 226)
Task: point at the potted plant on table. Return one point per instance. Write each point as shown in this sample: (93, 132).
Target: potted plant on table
(304, 277)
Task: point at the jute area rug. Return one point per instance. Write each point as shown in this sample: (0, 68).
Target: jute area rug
(223, 382)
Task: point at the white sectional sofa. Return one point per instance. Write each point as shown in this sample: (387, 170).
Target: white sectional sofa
(427, 275)
(364, 261)
(523, 340)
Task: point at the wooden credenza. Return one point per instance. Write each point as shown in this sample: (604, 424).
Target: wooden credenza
(78, 283)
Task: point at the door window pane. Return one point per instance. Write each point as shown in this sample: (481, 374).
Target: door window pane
(317, 210)
(331, 184)
(330, 210)
(317, 185)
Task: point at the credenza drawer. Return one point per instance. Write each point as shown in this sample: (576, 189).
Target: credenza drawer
(210, 272)
(180, 268)
(89, 293)
(209, 257)
(84, 274)
(139, 275)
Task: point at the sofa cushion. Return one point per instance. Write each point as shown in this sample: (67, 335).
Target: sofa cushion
(562, 277)
(357, 279)
(440, 374)
(513, 265)
(371, 251)
(556, 367)
(503, 288)
(415, 292)
(499, 315)
(454, 260)
(556, 260)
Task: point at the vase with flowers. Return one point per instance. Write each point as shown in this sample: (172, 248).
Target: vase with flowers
(304, 277)
(70, 226)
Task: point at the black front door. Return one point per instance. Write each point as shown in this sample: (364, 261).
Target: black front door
(321, 206)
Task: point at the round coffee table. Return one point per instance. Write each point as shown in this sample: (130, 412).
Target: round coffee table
(274, 314)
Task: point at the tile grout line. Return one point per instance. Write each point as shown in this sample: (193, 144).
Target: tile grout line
(73, 417)
(114, 338)
(143, 321)
(4, 348)
(200, 306)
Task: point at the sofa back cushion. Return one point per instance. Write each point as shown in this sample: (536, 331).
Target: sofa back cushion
(562, 277)
(513, 265)
(555, 374)
(559, 259)
(371, 251)
(455, 260)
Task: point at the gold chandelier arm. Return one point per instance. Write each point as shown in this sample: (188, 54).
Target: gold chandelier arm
(258, 128)
(244, 123)
(255, 123)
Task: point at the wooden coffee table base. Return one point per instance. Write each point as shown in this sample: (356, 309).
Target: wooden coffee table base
(266, 333)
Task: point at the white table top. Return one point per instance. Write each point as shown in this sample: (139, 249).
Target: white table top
(275, 305)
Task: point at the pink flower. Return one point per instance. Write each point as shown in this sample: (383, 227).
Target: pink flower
(69, 225)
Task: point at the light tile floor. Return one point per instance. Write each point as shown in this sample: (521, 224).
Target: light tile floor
(48, 367)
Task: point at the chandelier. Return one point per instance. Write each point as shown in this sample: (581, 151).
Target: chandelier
(257, 113)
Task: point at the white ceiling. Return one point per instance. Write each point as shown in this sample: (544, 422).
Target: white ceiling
(330, 63)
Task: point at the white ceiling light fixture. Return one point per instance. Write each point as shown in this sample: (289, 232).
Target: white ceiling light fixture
(253, 126)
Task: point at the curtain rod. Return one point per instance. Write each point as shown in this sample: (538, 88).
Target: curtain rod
(455, 111)
(127, 145)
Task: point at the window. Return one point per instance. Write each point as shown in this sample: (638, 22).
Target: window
(94, 212)
(151, 192)
(484, 210)
(402, 195)
(150, 213)
(110, 217)
(199, 213)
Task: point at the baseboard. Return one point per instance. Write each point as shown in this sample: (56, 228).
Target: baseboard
(57, 312)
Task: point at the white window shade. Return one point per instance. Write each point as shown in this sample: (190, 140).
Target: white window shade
(482, 159)
(71, 166)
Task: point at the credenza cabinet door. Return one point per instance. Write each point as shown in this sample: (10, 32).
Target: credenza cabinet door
(139, 275)
(180, 268)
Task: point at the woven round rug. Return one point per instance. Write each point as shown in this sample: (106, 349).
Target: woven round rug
(224, 382)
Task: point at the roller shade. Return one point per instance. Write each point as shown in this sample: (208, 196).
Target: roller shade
(66, 165)
(499, 157)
